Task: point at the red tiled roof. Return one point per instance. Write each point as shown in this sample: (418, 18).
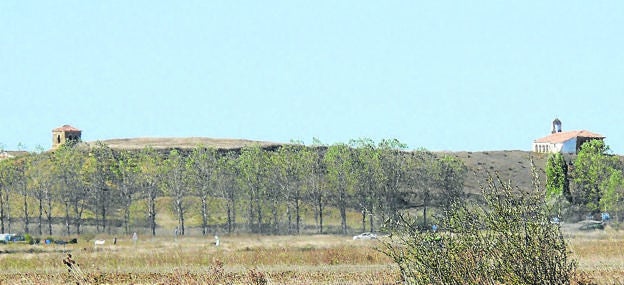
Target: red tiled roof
(66, 128)
(564, 136)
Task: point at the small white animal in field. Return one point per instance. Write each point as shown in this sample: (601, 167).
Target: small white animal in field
(100, 241)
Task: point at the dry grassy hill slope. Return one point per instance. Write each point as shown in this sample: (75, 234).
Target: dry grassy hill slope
(182, 143)
(511, 165)
(514, 165)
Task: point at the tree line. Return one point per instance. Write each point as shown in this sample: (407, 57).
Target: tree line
(252, 189)
(590, 183)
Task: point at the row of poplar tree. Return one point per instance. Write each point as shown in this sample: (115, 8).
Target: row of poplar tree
(253, 189)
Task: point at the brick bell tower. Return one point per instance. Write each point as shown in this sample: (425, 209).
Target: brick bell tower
(64, 134)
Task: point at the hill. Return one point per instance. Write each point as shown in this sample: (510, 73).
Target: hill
(182, 143)
(514, 165)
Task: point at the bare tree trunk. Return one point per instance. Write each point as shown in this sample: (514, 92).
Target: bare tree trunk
(371, 219)
(106, 197)
(425, 205)
(104, 218)
(2, 216)
(259, 208)
(128, 203)
(127, 221)
(40, 216)
(234, 227)
(180, 209)
(182, 223)
(343, 212)
(78, 209)
(289, 215)
(363, 220)
(26, 216)
(275, 218)
(49, 213)
(67, 217)
(298, 216)
(231, 209)
(204, 214)
(8, 213)
(343, 219)
(229, 217)
(152, 212)
(251, 214)
(320, 213)
(97, 220)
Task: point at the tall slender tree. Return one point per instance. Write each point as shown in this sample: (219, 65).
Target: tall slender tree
(202, 165)
(7, 178)
(370, 178)
(613, 193)
(227, 187)
(449, 173)
(21, 187)
(148, 180)
(420, 180)
(126, 176)
(252, 169)
(341, 179)
(593, 167)
(68, 162)
(315, 182)
(100, 166)
(393, 165)
(557, 180)
(174, 184)
(286, 174)
(40, 182)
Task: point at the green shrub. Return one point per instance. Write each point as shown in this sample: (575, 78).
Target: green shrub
(506, 239)
(28, 239)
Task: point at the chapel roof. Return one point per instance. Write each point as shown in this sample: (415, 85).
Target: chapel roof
(565, 136)
(66, 128)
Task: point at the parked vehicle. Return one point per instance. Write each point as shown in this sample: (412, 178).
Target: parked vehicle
(5, 238)
(16, 238)
(592, 226)
(366, 235)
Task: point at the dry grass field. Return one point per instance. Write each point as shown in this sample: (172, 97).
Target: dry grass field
(600, 254)
(249, 259)
(195, 260)
(317, 259)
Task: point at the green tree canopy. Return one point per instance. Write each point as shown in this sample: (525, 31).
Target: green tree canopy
(593, 168)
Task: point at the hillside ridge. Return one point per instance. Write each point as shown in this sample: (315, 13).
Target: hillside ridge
(510, 165)
(181, 142)
(513, 165)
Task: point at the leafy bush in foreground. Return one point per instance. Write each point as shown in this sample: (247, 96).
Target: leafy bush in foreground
(508, 239)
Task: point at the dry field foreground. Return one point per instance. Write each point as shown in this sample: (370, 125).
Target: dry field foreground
(600, 254)
(317, 259)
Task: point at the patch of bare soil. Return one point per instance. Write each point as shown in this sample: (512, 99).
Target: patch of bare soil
(183, 143)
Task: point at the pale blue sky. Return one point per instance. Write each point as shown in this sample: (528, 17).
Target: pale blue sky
(443, 75)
